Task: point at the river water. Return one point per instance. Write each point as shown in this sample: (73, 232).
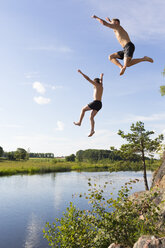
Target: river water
(27, 202)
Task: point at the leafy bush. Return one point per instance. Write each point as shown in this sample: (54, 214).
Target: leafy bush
(70, 158)
(122, 220)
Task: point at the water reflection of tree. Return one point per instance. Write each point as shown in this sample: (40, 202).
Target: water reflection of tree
(53, 176)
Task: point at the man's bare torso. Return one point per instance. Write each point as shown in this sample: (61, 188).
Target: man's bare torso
(98, 92)
(122, 36)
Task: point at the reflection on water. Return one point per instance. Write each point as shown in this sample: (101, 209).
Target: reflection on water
(33, 231)
(28, 202)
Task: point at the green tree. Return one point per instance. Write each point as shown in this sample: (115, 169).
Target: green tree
(1, 151)
(79, 155)
(139, 142)
(70, 158)
(10, 155)
(162, 88)
(21, 154)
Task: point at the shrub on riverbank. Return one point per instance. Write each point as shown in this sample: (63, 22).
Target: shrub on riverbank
(119, 220)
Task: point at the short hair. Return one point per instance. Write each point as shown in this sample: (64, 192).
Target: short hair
(97, 80)
(117, 20)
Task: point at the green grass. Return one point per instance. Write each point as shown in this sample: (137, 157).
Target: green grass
(45, 165)
(32, 166)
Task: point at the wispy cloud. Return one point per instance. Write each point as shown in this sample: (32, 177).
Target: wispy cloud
(60, 126)
(53, 87)
(41, 100)
(135, 118)
(30, 75)
(153, 117)
(143, 19)
(39, 87)
(60, 49)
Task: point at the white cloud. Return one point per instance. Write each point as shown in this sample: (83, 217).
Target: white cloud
(60, 126)
(41, 100)
(39, 87)
(143, 19)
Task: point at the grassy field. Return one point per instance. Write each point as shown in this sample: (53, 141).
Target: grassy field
(33, 166)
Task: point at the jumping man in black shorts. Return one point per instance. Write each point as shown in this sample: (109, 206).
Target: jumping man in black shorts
(124, 40)
(96, 105)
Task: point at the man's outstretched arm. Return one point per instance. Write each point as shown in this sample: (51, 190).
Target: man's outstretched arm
(104, 22)
(101, 78)
(86, 77)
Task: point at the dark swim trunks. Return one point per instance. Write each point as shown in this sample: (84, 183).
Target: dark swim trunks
(127, 51)
(96, 105)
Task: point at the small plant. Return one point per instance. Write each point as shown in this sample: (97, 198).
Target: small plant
(122, 220)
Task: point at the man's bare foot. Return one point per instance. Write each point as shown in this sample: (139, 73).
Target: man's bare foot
(148, 59)
(122, 70)
(92, 132)
(77, 123)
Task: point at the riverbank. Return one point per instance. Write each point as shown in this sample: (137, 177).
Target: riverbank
(34, 166)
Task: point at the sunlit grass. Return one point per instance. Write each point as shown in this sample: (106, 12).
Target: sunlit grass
(45, 165)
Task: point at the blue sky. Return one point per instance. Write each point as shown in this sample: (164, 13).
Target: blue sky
(44, 42)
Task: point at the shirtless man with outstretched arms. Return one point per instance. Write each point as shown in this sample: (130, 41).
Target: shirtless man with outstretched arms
(124, 40)
(96, 105)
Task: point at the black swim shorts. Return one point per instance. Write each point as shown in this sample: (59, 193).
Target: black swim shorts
(96, 105)
(128, 51)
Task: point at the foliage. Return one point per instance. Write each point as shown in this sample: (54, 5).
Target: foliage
(41, 155)
(1, 151)
(21, 154)
(10, 155)
(122, 220)
(96, 155)
(70, 158)
(139, 143)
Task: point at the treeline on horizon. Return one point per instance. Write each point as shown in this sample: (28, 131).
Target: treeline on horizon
(22, 154)
(95, 155)
(89, 155)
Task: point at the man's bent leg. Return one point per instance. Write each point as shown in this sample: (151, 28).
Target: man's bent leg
(86, 108)
(127, 61)
(93, 113)
(113, 58)
(136, 61)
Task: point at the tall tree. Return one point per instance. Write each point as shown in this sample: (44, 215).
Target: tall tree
(139, 142)
(1, 151)
(21, 154)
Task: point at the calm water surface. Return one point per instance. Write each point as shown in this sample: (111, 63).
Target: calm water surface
(27, 202)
